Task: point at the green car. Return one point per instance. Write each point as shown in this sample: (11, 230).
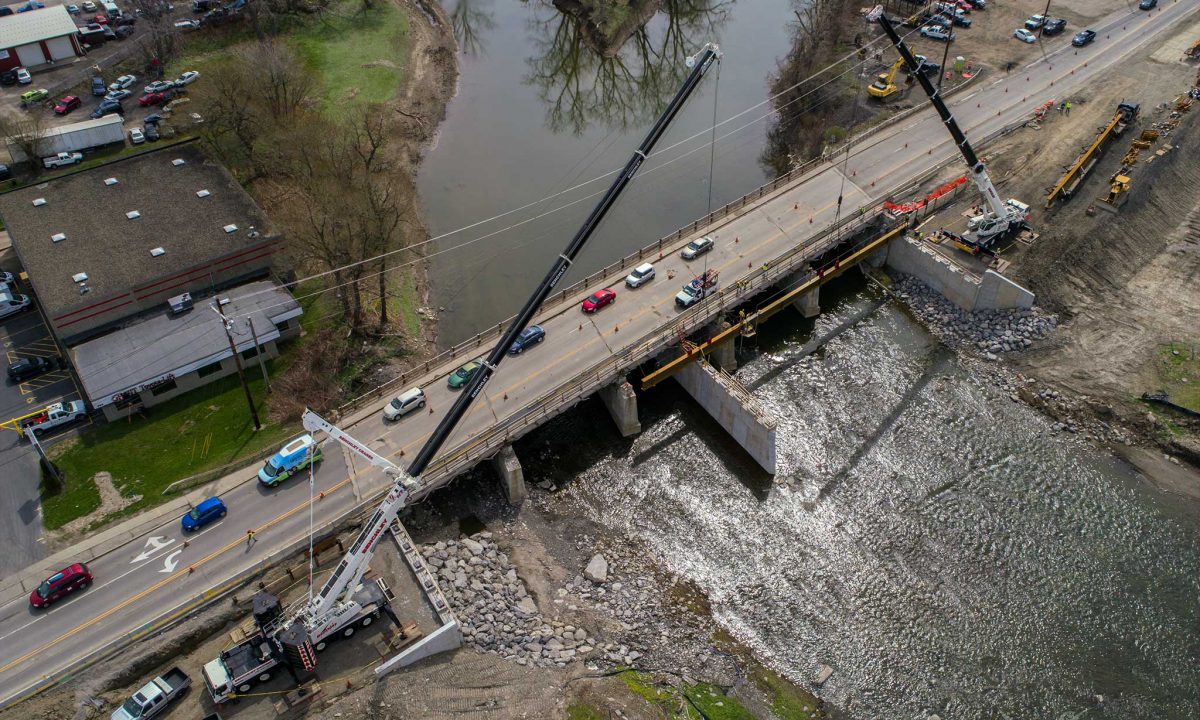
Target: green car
(33, 96)
(463, 375)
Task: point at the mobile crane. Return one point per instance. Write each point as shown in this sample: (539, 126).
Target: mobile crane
(292, 637)
(1001, 219)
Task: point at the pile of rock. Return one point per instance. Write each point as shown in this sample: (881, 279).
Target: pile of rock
(991, 331)
(494, 608)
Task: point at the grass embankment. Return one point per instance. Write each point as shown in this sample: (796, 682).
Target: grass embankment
(1179, 374)
(698, 701)
(356, 58)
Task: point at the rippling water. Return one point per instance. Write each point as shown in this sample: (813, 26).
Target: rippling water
(926, 537)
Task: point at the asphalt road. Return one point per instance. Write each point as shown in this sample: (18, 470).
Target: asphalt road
(155, 574)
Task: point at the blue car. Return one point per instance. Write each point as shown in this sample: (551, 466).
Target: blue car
(290, 459)
(531, 335)
(208, 511)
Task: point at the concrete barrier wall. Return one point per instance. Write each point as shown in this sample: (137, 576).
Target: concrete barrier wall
(993, 291)
(734, 408)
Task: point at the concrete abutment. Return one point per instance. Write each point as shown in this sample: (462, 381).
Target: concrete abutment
(512, 477)
(732, 406)
(621, 402)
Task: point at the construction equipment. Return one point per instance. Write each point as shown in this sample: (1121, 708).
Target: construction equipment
(1194, 50)
(290, 637)
(1074, 176)
(885, 84)
(1002, 218)
(1120, 183)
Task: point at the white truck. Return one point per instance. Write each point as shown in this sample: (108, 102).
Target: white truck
(62, 159)
(54, 415)
(155, 695)
(699, 288)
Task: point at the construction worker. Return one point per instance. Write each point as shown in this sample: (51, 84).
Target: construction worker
(249, 538)
(1068, 108)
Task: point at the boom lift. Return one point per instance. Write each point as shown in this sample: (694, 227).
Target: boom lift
(1002, 219)
(291, 638)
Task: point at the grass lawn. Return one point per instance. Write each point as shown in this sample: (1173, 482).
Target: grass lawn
(700, 701)
(1179, 374)
(197, 431)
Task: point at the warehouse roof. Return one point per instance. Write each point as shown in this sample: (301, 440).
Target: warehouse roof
(29, 27)
(166, 346)
(125, 224)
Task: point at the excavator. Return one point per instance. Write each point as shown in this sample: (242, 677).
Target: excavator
(885, 85)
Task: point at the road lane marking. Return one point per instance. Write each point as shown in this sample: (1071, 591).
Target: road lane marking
(170, 561)
(157, 542)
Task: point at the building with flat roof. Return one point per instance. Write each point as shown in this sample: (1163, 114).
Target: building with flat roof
(38, 37)
(169, 353)
(104, 246)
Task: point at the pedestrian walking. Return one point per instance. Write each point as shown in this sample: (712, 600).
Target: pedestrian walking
(1062, 106)
(249, 538)
(1068, 108)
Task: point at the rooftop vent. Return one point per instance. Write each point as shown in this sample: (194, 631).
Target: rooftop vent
(84, 289)
(180, 303)
(110, 181)
(79, 277)
(133, 214)
(178, 161)
(202, 193)
(156, 252)
(231, 228)
(38, 202)
(58, 237)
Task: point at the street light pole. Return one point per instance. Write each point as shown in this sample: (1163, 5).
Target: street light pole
(259, 354)
(237, 359)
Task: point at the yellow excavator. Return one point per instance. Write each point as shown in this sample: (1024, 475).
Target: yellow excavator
(885, 84)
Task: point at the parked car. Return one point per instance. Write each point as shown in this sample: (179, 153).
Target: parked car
(158, 86)
(151, 131)
(1147, 4)
(30, 367)
(960, 20)
(73, 9)
(118, 95)
(1035, 21)
(122, 82)
(88, 6)
(926, 68)
(939, 21)
(34, 96)
(67, 104)
(127, 21)
(404, 403)
(61, 584)
(696, 248)
(599, 299)
(640, 275)
(99, 89)
(291, 458)
(152, 119)
(187, 25)
(1054, 26)
(136, 137)
(934, 32)
(154, 98)
(108, 107)
(187, 78)
(152, 699)
(1083, 38)
(12, 303)
(23, 76)
(5, 11)
(123, 32)
(531, 335)
(463, 375)
(8, 77)
(208, 511)
(1024, 35)
(977, 4)
(5, 174)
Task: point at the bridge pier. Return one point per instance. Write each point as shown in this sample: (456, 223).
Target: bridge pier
(621, 402)
(512, 477)
(808, 304)
(724, 355)
(732, 406)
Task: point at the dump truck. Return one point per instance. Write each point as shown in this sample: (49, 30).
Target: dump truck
(154, 696)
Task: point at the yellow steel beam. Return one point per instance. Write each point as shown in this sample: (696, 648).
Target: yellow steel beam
(1082, 160)
(694, 351)
(14, 424)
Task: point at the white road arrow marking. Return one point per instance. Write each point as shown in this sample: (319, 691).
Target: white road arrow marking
(169, 562)
(154, 544)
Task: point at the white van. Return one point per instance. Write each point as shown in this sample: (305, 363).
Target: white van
(404, 403)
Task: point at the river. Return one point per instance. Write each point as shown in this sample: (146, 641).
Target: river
(934, 542)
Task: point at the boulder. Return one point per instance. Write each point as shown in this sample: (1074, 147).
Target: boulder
(597, 569)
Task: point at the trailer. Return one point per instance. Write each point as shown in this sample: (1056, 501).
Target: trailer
(74, 137)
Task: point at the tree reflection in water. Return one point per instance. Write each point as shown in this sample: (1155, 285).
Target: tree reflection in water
(582, 83)
(470, 19)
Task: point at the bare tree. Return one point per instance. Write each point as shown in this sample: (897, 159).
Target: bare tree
(233, 119)
(160, 42)
(283, 83)
(27, 132)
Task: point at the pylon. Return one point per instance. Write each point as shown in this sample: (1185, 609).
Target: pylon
(1005, 89)
(978, 105)
(186, 543)
(191, 570)
(872, 183)
(905, 144)
(401, 452)
(581, 324)
(616, 328)
(505, 396)
(736, 239)
(1026, 78)
(321, 496)
(795, 206)
(430, 411)
(348, 684)
(810, 219)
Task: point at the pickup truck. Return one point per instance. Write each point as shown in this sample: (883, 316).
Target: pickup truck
(55, 415)
(699, 288)
(155, 695)
(62, 159)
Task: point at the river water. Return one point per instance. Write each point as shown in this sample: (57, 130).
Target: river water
(935, 543)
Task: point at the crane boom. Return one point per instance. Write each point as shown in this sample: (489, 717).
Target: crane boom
(1002, 217)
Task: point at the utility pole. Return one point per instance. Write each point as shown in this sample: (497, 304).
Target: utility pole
(237, 359)
(259, 353)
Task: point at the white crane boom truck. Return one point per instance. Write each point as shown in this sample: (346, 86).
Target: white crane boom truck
(344, 602)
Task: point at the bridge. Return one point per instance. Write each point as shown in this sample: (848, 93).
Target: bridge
(771, 236)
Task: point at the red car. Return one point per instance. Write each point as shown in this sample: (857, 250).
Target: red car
(157, 98)
(100, 19)
(61, 584)
(66, 105)
(599, 299)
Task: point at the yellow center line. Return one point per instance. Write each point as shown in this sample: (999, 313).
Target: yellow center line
(182, 573)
